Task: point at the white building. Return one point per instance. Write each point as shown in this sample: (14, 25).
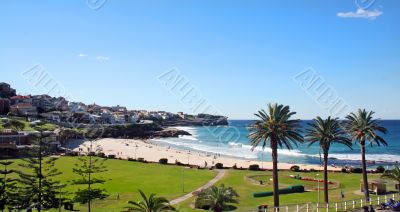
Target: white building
(77, 107)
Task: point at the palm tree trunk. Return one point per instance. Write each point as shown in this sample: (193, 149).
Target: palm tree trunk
(326, 177)
(398, 186)
(40, 172)
(89, 180)
(364, 171)
(274, 147)
(3, 194)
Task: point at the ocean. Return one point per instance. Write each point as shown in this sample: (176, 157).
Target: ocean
(232, 141)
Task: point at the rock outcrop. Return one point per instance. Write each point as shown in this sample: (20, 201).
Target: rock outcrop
(199, 120)
(170, 132)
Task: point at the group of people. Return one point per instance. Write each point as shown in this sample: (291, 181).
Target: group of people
(391, 204)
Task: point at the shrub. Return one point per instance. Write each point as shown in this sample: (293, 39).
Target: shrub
(288, 190)
(163, 161)
(295, 168)
(219, 166)
(91, 154)
(356, 170)
(199, 204)
(72, 154)
(380, 169)
(131, 159)
(101, 154)
(312, 170)
(111, 156)
(140, 160)
(213, 197)
(235, 166)
(254, 167)
(344, 170)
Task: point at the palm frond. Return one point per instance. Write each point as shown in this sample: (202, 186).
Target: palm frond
(276, 125)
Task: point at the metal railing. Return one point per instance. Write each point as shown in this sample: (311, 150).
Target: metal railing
(347, 205)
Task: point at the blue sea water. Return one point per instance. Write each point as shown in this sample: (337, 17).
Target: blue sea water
(232, 141)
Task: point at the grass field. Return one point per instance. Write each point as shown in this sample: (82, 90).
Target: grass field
(126, 177)
(27, 126)
(239, 180)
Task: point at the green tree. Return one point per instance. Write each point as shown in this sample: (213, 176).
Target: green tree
(150, 204)
(87, 166)
(363, 128)
(326, 133)
(14, 124)
(8, 186)
(275, 128)
(394, 175)
(17, 125)
(38, 187)
(218, 198)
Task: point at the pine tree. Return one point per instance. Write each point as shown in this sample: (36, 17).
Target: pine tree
(38, 189)
(87, 166)
(7, 186)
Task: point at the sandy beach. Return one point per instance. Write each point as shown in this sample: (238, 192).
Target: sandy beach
(150, 151)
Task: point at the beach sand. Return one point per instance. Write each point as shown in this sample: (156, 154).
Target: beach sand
(150, 151)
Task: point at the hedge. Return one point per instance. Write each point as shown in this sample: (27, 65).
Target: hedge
(163, 161)
(288, 190)
(356, 170)
(254, 167)
(380, 169)
(219, 166)
(295, 168)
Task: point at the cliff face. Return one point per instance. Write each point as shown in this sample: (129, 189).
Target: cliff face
(199, 120)
(170, 133)
(137, 131)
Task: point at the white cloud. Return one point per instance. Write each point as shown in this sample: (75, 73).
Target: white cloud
(102, 58)
(82, 55)
(361, 13)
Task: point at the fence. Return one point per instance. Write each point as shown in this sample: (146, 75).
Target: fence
(347, 205)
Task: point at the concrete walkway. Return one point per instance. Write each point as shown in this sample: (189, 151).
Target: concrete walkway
(221, 173)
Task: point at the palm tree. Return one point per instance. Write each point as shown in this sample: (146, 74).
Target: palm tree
(150, 204)
(363, 128)
(393, 174)
(275, 128)
(217, 198)
(325, 133)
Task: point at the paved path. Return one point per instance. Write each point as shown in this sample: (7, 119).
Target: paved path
(221, 173)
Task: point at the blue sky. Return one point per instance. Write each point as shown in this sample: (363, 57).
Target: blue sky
(240, 55)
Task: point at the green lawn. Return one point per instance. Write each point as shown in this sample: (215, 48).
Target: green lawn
(286, 181)
(126, 177)
(239, 180)
(27, 127)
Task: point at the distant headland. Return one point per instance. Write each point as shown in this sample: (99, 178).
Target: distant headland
(117, 121)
